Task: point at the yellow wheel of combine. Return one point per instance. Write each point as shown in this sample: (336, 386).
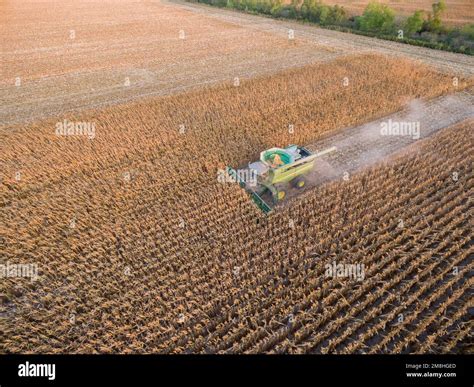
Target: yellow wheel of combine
(280, 193)
(299, 182)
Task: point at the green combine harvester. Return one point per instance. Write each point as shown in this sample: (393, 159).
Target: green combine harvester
(277, 170)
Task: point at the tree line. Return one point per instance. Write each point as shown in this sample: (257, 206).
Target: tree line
(421, 28)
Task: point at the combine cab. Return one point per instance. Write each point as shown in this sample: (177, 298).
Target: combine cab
(269, 179)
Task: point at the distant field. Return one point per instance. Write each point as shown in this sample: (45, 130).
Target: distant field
(76, 54)
(457, 12)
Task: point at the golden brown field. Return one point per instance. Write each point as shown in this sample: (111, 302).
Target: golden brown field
(232, 123)
(457, 12)
(89, 54)
(141, 249)
(74, 55)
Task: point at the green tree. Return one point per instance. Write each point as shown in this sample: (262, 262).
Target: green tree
(377, 18)
(308, 9)
(296, 4)
(337, 15)
(468, 31)
(323, 14)
(414, 23)
(277, 6)
(434, 22)
(293, 10)
(313, 10)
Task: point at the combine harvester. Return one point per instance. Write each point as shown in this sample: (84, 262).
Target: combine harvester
(275, 172)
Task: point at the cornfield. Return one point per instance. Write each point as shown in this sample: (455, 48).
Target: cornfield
(100, 54)
(141, 249)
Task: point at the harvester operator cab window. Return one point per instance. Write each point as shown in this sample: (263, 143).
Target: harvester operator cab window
(276, 161)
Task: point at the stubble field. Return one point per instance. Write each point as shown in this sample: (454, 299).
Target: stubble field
(91, 54)
(140, 248)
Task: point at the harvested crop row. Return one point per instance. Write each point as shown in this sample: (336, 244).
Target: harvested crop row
(140, 249)
(415, 170)
(72, 55)
(416, 166)
(297, 106)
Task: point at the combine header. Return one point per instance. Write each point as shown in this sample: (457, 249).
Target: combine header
(269, 179)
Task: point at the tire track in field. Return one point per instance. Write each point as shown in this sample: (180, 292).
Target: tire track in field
(365, 145)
